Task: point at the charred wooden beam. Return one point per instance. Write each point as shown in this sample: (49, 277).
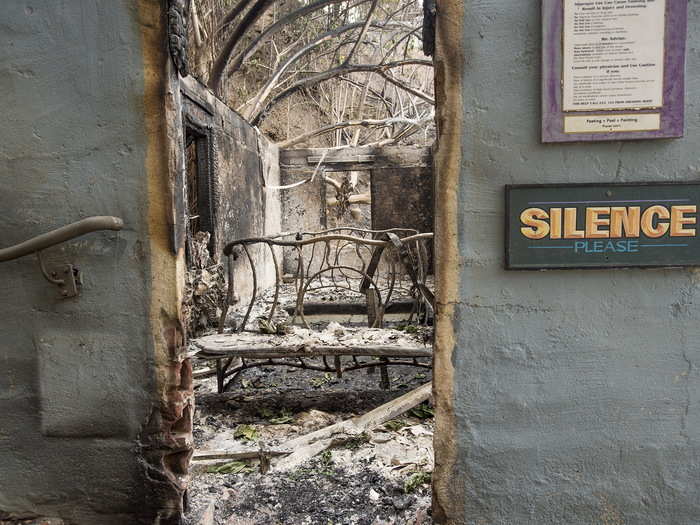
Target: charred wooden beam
(300, 161)
(221, 346)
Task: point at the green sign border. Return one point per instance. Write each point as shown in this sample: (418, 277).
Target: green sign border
(562, 256)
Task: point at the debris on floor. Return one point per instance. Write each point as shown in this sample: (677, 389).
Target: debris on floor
(373, 476)
(205, 287)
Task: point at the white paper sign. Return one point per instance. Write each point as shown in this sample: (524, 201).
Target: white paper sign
(612, 123)
(613, 54)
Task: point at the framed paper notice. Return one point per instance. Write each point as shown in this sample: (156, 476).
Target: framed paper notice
(613, 69)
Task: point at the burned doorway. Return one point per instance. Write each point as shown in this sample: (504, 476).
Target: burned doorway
(373, 188)
(310, 335)
(199, 184)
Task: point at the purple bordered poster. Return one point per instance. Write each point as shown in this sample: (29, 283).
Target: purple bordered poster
(613, 69)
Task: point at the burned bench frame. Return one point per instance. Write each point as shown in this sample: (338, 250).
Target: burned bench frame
(372, 264)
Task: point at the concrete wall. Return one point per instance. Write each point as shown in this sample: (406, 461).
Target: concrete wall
(95, 422)
(563, 396)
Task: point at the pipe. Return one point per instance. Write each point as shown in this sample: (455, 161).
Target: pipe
(63, 234)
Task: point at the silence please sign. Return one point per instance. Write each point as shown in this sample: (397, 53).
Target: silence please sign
(602, 226)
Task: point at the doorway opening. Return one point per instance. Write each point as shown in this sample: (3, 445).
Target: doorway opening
(198, 191)
(313, 367)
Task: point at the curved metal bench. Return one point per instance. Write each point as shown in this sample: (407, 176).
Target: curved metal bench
(374, 266)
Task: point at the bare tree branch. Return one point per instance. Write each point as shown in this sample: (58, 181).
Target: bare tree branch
(198, 30)
(406, 87)
(362, 34)
(238, 60)
(217, 70)
(332, 73)
(367, 123)
(358, 198)
(271, 83)
(375, 93)
(233, 13)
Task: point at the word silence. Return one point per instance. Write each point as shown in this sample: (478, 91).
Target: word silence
(578, 226)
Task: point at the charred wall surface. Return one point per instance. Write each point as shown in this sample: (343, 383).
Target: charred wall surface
(398, 179)
(94, 395)
(403, 198)
(563, 396)
(242, 164)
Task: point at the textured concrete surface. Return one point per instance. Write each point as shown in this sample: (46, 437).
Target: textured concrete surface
(78, 383)
(403, 198)
(303, 210)
(575, 393)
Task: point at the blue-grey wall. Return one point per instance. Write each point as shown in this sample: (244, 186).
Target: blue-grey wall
(77, 377)
(576, 394)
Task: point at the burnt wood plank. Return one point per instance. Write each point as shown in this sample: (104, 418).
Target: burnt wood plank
(299, 161)
(216, 349)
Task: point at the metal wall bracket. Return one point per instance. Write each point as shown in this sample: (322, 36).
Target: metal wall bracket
(68, 278)
(65, 276)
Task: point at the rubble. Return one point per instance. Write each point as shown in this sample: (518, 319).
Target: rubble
(382, 477)
(205, 288)
(309, 444)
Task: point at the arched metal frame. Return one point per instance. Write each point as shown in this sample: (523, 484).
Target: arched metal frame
(322, 262)
(330, 261)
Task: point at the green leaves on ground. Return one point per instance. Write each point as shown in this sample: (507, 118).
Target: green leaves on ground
(318, 382)
(415, 480)
(285, 416)
(395, 424)
(326, 459)
(323, 466)
(354, 442)
(276, 418)
(422, 411)
(246, 433)
(234, 467)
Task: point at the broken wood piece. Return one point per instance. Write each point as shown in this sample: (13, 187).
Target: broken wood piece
(217, 347)
(206, 459)
(207, 455)
(394, 408)
(208, 516)
(302, 454)
(349, 308)
(363, 158)
(338, 367)
(204, 373)
(307, 446)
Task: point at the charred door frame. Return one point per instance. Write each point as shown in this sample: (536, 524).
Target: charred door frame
(206, 175)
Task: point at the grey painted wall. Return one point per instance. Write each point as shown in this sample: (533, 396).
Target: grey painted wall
(75, 375)
(576, 393)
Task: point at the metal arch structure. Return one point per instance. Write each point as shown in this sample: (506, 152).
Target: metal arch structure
(371, 264)
(401, 250)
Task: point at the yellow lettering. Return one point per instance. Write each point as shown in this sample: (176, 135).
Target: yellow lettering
(627, 218)
(650, 229)
(538, 228)
(593, 221)
(678, 220)
(570, 231)
(555, 223)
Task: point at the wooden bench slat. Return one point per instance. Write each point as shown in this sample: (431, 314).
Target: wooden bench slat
(219, 349)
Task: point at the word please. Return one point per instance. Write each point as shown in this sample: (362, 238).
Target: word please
(616, 222)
